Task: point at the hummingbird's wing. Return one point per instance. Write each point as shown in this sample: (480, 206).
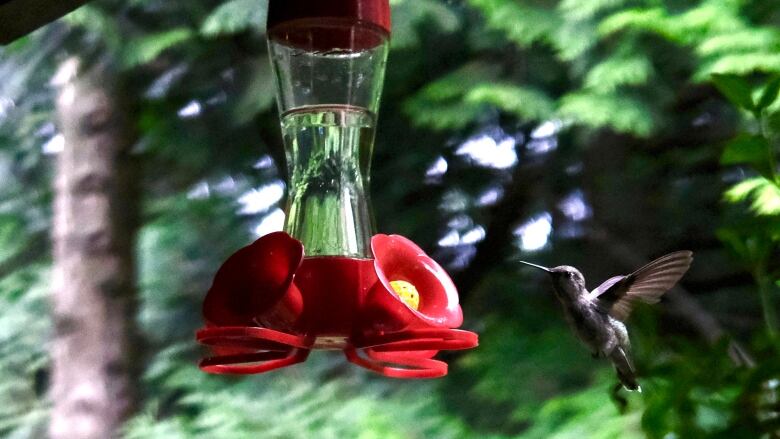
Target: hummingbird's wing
(618, 295)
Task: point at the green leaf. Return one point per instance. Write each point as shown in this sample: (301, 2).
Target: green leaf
(765, 195)
(145, 49)
(769, 95)
(742, 190)
(747, 149)
(766, 200)
(736, 89)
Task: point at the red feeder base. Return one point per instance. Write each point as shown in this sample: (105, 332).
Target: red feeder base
(269, 307)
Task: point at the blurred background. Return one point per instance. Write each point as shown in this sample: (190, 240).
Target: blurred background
(594, 133)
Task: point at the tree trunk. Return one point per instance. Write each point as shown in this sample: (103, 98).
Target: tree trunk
(94, 350)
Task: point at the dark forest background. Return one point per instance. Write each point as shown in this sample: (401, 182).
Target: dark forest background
(140, 146)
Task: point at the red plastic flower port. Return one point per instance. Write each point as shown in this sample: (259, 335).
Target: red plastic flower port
(269, 306)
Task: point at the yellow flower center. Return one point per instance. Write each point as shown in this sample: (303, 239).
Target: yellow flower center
(406, 292)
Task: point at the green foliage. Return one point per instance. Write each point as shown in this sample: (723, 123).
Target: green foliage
(522, 23)
(538, 359)
(621, 113)
(23, 359)
(725, 42)
(296, 403)
(752, 245)
(440, 105)
(758, 150)
(769, 94)
(589, 413)
(409, 15)
(711, 400)
(648, 20)
(747, 149)
(743, 64)
(96, 22)
(736, 89)
(587, 9)
(523, 102)
(259, 95)
(235, 16)
(764, 194)
(740, 41)
(756, 244)
(617, 71)
(572, 33)
(144, 49)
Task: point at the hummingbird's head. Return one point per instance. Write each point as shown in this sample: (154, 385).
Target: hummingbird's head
(566, 279)
(569, 279)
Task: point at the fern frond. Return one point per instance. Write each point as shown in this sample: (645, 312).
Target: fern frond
(524, 102)
(455, 84)
(620, 113)
(707, 18)
(573, 39)
(521, 23)
(440, 105)
(617, 71)
(648, 20)
(740, 64)
(749, 40)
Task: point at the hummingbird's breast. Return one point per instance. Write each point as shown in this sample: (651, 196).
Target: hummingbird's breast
(586, 322)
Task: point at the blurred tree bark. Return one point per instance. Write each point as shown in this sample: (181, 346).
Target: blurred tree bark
(95, 345)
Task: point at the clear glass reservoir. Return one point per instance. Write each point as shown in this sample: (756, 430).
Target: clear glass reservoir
(329, 80)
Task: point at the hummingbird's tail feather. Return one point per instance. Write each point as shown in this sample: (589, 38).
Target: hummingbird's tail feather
(625, 370)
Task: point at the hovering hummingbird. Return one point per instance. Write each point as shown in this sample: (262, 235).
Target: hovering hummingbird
(597, 317)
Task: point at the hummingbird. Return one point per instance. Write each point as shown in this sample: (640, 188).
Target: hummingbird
(598, 317)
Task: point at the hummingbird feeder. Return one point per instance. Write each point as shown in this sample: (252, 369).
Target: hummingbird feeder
(325, 282)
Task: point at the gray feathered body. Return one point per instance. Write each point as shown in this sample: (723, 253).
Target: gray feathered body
(600, 332)
(597, 317)
(604, 335)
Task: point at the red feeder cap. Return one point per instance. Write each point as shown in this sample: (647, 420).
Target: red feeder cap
(376, 12)
(286, 18)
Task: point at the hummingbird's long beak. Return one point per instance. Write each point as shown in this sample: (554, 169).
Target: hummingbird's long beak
(536, 266)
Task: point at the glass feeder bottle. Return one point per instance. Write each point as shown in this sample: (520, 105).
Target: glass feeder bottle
(329, 74)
